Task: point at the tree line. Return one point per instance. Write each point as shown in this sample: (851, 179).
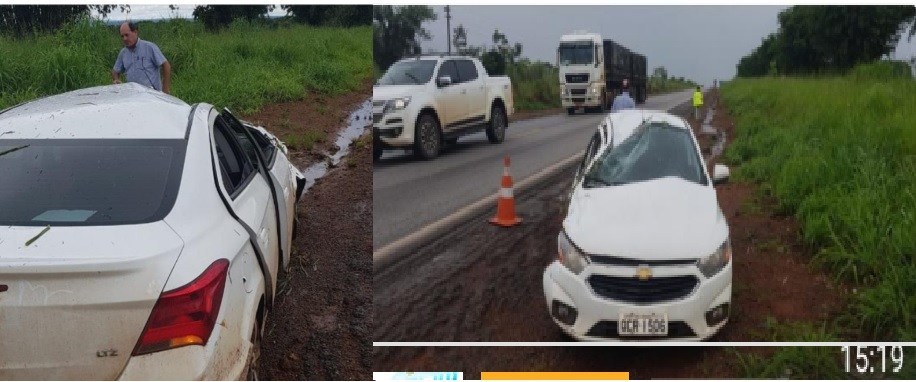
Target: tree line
(23, 20)
(828, 39)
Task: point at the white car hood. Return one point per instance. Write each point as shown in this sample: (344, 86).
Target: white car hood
(387, 92)
(662, 219)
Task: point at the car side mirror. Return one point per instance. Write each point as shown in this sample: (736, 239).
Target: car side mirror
(444, 81)
(720, 174)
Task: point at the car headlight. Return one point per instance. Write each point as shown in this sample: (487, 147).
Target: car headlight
(398, 104)
(569, 255)
(712, 264)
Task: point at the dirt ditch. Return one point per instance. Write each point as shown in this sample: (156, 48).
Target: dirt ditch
(320, 326)
(482, 283)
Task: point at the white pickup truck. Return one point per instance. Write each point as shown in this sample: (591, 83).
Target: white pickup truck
(425, 101)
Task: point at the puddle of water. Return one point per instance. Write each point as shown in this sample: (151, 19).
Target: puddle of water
(357, 123)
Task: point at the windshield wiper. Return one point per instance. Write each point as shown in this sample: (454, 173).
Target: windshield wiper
(412, 77)
(14, 149)
(591, 180)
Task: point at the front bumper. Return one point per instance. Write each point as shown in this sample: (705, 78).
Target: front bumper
(389, 129)
(595, 317)
(577, 96)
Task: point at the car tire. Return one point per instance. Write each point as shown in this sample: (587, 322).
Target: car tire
(496, 131)
(376, 154)
(570, 111)
(428, 137)
(252, 365)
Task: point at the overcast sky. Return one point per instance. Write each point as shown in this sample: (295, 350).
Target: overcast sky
(697, 42)
(147, 12)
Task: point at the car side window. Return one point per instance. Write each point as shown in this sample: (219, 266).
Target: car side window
(467, 71)
(267, 147)
(448, 68)
(247, 145)
(234, 164)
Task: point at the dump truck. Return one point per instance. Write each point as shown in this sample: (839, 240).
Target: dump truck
(592, 71)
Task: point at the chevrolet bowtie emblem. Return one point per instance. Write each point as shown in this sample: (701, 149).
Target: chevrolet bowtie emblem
(643, 273)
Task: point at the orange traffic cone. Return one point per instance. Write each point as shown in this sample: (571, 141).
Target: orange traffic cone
(505, 206)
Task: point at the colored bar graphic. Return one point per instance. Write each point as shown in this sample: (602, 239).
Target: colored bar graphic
(554, 375)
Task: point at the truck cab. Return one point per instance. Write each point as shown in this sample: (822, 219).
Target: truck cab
(580, 62)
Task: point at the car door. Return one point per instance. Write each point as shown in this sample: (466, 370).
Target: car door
(451, 103)
(247, 193)
(475, 91)
(278, 169)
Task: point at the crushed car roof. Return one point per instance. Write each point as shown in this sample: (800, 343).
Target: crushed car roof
(124, 111)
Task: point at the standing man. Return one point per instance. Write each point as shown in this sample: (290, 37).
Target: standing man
(140, 61)
(697, 103)
(623, 101)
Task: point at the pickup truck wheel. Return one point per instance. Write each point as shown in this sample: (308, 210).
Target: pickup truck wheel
(428, 138)
(570, 111)
(496, 132)
(376, 154)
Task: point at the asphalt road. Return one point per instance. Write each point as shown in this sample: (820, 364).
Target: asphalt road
(409, 193)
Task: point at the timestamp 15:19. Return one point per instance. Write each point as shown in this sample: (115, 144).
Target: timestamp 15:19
(866, 362)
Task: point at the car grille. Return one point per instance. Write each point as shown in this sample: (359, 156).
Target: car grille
(627, 262)
(577, 78)
(608, 329)
(577, 91)
(580, 100)
(634, 290)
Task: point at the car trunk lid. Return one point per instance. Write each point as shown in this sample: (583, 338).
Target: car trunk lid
(74, 301)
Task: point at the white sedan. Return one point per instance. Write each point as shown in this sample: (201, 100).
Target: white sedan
(644, 253)
(140, 237)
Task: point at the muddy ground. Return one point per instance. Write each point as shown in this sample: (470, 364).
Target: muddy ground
(483, 283)
(320, 326)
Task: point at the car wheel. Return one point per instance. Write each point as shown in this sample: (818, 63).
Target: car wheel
(254, 356)
(376, 154)
(496, 132)
(570, 111)
(428, 138)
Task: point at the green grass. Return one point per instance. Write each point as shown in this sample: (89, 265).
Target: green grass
(243, 67)
(535, 85)
(840, 155)
(304, 141)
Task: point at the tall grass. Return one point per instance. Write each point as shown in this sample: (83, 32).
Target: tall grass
(840, 154)
(535, 85)
(243, 67)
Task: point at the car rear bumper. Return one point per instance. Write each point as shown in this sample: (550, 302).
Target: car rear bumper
(595, 317)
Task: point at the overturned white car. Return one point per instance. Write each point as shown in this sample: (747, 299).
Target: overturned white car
(644, 253)
(140, 237)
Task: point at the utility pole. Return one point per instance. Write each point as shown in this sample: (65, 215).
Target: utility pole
(448, 28)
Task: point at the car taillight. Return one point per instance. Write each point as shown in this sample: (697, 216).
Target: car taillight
(185, 316)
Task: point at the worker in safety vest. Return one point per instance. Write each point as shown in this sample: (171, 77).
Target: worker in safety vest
(697, 103)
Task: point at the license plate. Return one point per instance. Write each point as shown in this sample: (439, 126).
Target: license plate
(642, 324)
